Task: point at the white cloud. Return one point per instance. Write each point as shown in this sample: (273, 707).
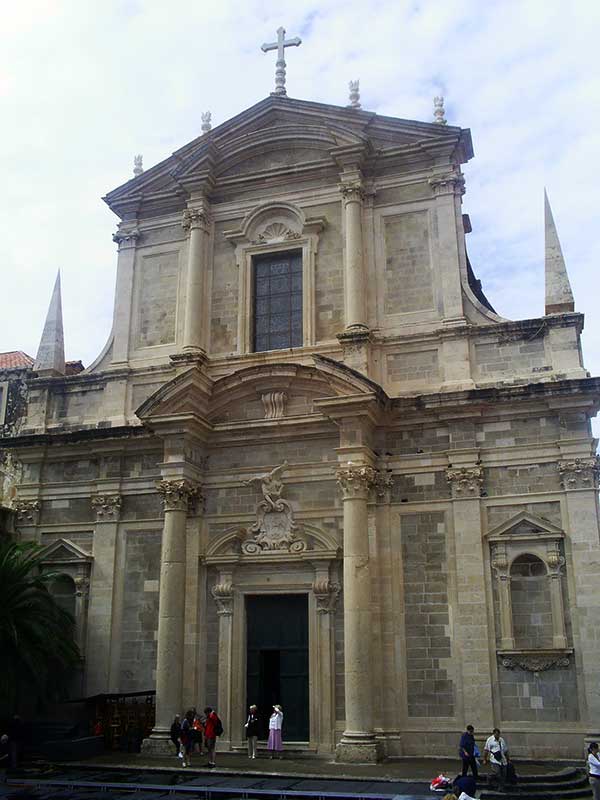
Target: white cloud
(84, 86)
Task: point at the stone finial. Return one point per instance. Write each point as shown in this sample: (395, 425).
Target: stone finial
(559, 297)
(354, 96)
(205, 116)
(50, 359)
(438, 110)
(138, 165)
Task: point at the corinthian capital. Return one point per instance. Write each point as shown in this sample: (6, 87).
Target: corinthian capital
(580, 473)
(177, 495)
(355, 480)
(107, 507)
(352, 191)
(27, 511)
(465, 481)
(195, 218)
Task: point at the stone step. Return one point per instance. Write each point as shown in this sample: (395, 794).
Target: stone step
(539, 792)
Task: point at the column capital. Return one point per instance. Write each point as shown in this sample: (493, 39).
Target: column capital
(126, 237)
(196, 219)
(449, 183)
(355, 480)
(27, 512)
(177, 495)
(107, 507)
(384, 481)
(580, 473)
(465, 482)
(352, 191)
(82, 585)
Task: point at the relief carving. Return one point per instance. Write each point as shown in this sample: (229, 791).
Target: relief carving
(223, 596)
(107, 507)
(355, 480)
(27, 511)
(465, 481)
(531, 662)
(277, 232)
(326, 594)
(274, 404)
(274, 528)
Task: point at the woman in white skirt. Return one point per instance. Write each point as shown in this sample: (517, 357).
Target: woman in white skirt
(275, 744)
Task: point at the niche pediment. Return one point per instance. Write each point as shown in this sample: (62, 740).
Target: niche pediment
(525, 525)
(63, 551)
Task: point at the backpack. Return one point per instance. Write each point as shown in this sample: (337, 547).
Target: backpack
(218, 727)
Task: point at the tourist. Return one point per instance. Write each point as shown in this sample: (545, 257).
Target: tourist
(275, 744)
(496, 753)
(197, 731)
(210, 734)
(185, 737)
(176, 732)
(464, 786)
(593, 762)
(466, 750)
(252, 731)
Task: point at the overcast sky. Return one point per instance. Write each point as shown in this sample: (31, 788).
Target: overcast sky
(85, 85)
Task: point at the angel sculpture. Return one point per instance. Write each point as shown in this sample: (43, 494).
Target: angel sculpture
(271, 486)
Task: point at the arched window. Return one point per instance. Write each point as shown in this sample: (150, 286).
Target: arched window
(531, 602)
(63, 591)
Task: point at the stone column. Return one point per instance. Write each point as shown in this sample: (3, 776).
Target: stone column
(196, 220)
(127, 238)
(354, 279)
(176, 495)
(101, 607)
(358, 742)
(559, 633)
(222, 593)
(579, 477)
(326, 593)
(472, 637)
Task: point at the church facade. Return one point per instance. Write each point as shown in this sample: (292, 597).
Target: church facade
(312, 465)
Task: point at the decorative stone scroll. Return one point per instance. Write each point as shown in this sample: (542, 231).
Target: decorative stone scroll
(465, 481)
(274, 528)
(107, 507)
(177, 495)
(223, 596)
(355, 480)
(580, 473)
(274, 404)
(536, 662)
(326, 594)
(27, 511)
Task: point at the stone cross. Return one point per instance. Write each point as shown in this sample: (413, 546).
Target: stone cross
(279, 45)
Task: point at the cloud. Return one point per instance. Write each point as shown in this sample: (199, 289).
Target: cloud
(84, 86)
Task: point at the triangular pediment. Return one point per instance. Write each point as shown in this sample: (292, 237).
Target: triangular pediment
(523, 525)
(280, 133)
(63, 551)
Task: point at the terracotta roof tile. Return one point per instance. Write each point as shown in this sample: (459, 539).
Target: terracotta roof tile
(15, 359)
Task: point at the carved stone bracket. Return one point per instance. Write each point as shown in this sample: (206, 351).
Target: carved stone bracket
(107, 507)
(274, 404)
(82, 586)
(465, 481)
(177, 495)
(223, 596)
(580, 473)
(27, 511)
(536, 662)
(126, 238)
(355, 480)
(274, 528)
(326, 594)
(499, 559)
(450, 183)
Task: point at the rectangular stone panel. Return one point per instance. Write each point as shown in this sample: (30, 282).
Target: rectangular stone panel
(140, 611)
(430, 688)
(505, 359)
(158, 276)
(329, 277)
(545, 696)
(421, 366)
(141, 506)
(74, 509)
(522, 479)
(420, 486)
(408, 273)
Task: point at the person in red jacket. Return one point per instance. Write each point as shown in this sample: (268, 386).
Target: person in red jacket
(210, 735)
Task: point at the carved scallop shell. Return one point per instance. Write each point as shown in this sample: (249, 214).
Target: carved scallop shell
(276, 231)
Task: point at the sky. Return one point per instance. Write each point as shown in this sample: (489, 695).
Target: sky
(84, 86)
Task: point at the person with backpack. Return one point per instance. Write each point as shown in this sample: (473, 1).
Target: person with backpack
(496, 753)
(213, 727)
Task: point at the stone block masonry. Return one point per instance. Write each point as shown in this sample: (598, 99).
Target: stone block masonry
(408, 278)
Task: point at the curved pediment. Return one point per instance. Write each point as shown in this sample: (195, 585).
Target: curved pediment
(227, 547)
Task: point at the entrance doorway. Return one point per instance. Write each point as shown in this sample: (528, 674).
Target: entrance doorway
(277, 661)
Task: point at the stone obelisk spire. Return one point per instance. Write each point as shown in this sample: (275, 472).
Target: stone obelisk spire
(559, 297)
(50, 359)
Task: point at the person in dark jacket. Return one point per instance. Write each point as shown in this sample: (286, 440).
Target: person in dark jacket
(176, 732)
(466, 750)
(466, 784)
(252, 731)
